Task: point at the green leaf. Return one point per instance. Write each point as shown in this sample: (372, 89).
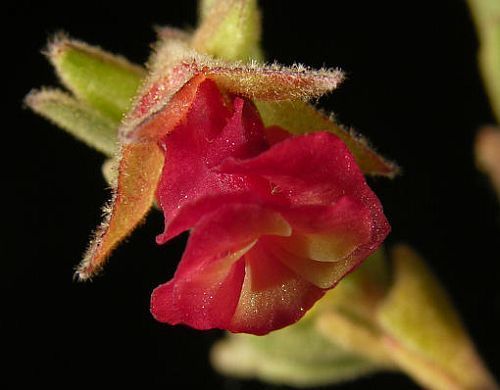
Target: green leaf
(104, 81)
(229, 29)
(354, 335)
(296, 356)
(77, 118)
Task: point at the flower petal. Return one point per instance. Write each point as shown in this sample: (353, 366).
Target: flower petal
(206, 286)
(205, 300)
(327, 242)
(208, 134)
(329, 233)
(299, 117)
(334, 214)
(313, 169)
(272, 295)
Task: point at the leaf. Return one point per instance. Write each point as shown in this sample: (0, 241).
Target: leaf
(77, 118)
(348, 333)
(104, 81)
(138, 173)
(423, 331)
(230, 30)
(299, 118)
(295, 356)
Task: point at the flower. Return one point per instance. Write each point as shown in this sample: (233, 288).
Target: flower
(271, 189)
(275, 220)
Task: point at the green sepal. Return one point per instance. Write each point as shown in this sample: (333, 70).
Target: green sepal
(77, 118)
(104, 81)
(230, 30)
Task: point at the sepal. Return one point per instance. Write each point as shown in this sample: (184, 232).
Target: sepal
(77, 118)
(104, 81)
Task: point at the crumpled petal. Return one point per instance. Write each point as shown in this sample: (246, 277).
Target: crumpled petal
(299, 117)
(209, 133)
(313, 169)
(206, 287)
(327, 242)
(221, 163)
(272, 296)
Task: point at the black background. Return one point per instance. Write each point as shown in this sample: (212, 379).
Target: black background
(413, 89)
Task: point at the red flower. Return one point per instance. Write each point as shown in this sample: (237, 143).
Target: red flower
(275, 220)
(276, 217)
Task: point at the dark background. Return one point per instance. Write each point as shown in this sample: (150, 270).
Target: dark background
(413, 89)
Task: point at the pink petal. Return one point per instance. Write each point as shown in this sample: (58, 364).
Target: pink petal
(334, 214)
(299, 118)
(205, 300)
(275, 134)
(327, 241)
(312, 169)
(206, 286)
(272, 295)
(210, 133)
